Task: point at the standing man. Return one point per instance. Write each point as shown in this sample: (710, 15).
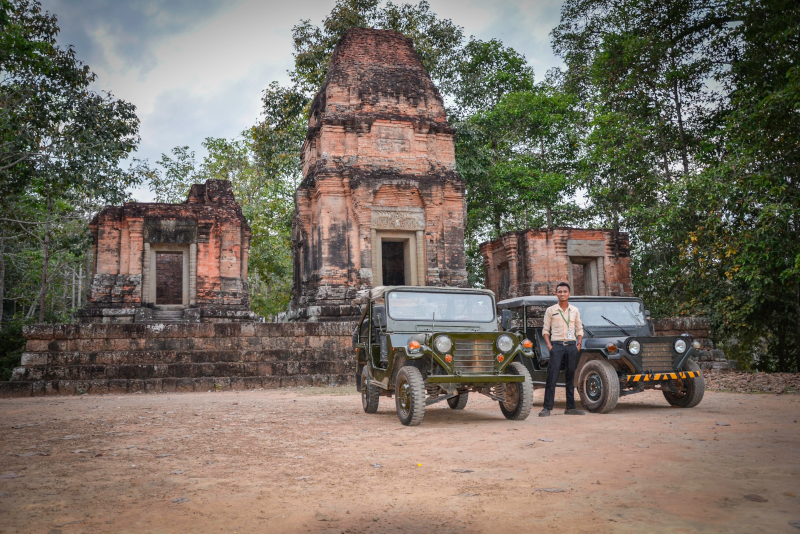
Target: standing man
(563, 333)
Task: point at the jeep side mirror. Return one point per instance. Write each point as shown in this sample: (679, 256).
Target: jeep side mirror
(647, 314)
(505, 318)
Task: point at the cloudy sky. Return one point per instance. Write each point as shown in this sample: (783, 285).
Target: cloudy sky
(196, 68)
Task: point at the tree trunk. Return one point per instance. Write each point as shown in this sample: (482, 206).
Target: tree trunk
(797, 329)
(45, 258)
(781, 347)
(679, 114)
(2, 272)
(549, 214)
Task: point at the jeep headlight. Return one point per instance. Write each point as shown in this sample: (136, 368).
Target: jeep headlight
(634, 347)
(505, 344)
(443, 344)
(680, 346)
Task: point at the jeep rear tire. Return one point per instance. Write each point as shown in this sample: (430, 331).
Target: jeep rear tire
(518, 395)
(410, 396)
(369, 393)
(690, 390)
(459, 401)
(598, 386)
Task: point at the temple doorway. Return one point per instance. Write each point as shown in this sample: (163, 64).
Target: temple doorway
(393, 260)
(396, 257)
(169, 278)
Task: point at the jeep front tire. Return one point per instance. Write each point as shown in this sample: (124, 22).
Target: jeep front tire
(410, 396)
(598, 386)
(518, 395)
(690, 391)
(459, 401)
(369, 393)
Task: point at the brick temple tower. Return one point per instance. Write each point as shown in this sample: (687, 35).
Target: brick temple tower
(380, 202)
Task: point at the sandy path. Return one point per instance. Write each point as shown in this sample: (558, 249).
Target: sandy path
(302, 461)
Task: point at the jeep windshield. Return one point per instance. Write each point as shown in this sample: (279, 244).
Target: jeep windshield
(627, 313)
(440, 306)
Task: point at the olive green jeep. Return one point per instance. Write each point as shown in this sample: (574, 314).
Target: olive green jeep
(424, 345)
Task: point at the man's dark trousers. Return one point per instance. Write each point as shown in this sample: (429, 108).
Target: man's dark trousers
(557, 355)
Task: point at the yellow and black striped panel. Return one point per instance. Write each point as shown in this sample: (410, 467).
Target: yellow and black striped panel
(658, 377)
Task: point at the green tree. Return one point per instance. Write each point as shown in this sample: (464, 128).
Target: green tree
(61, 141)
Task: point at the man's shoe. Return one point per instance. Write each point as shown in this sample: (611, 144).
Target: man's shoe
(573, 411)
(544, 413)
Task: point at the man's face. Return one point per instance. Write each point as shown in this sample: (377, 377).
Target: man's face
(562, 293)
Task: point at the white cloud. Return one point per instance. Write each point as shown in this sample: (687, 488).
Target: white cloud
(197, 68)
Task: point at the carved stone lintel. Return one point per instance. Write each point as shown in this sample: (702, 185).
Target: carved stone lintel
(586, 248)
(398, 219)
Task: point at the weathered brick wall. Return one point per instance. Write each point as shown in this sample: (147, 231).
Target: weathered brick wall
(120, 358)
(379, 156)
(532, 262)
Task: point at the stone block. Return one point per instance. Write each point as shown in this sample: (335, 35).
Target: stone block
(97, 386)
(204, 384)
(135, 386)
(16, 389)
(169, 385)
(270, 382)
(37, 345)
(304, 381)
(33, 359)
(185, 385)
(153, 385)
(222, 383)
(38, 331)
(252, 382)
(117, 386)
(288, 381)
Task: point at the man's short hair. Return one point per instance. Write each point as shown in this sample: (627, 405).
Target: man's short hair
(565, 285)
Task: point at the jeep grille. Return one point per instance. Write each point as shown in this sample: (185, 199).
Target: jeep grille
(657, 357)
(474, 356)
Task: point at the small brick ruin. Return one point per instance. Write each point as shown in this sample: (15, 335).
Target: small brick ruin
(534, 261)
(163, 358)
(184, 262)
(380, 202)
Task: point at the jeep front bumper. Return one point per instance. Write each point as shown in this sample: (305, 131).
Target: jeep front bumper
(473, 379)
(660, 377)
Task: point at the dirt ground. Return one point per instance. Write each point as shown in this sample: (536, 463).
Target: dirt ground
(310, 460)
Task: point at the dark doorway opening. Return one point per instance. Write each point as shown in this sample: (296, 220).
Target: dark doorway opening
(169, 278)
(394, 263)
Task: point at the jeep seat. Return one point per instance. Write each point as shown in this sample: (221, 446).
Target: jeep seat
(543, 356)
(379, 316)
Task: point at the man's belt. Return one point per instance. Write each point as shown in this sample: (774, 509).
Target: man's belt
(565, 343)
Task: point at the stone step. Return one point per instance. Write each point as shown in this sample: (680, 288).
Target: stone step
(167, 385)
(181, 370)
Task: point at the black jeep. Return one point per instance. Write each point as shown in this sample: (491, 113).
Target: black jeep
(620, 353)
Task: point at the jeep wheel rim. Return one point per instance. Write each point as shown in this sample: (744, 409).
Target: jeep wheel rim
(404, 398)
(511, 396)
(594, 387)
